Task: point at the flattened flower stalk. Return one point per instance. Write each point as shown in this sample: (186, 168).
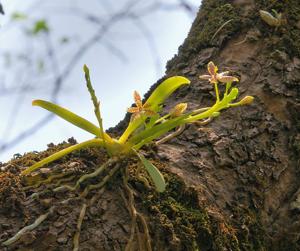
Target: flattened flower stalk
(140, 109)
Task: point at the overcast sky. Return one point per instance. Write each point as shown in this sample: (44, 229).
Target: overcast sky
(114, 78)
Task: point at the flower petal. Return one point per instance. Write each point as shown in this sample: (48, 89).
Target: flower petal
(205, 77)
(223, 73)
(211, 68)
(227, 79)
(137, 99)
(133, 110)
(149, 112)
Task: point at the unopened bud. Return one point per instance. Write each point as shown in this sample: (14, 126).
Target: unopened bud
(246, 100)
(178, 109)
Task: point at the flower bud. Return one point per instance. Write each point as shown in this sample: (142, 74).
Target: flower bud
(246, 100)
(178, 109)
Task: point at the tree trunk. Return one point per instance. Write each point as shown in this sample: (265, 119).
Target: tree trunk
(232, 184)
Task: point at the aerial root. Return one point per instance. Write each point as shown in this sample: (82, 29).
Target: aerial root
(38, 194)
(131, 209)
(24, 230)
(140, 177)
(134, 230)
(102, 183)
(85, 177)
(146, 231)
(84, 194)
(60, 181)
(204, 122)
(178, 131)
(81, 217)
(48, 180)
(78, 230)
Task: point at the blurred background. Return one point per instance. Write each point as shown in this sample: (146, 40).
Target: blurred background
(44, 44)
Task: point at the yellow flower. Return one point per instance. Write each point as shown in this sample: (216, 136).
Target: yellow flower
(140, 109)
(214, 77)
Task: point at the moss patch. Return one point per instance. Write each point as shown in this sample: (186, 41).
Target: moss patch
(289, 33)
(206, 30)
(181, 221)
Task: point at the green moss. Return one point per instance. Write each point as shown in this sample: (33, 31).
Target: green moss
(251, 235)
(289, 33)
(180, 215)
(213, 15)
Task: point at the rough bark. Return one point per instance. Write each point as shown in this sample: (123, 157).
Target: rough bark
(233, 185)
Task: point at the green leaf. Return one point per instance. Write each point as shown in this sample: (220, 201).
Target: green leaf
(40, 26)
(159, 95)
(18, 16)
(165, 89)
(68, 116)
(155, 174)
(156, 131)
(62, 153)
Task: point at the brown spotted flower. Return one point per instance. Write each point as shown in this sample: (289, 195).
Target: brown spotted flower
(214, 77)
(140, 109)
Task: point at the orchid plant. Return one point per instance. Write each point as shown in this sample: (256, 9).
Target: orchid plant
(146, 124)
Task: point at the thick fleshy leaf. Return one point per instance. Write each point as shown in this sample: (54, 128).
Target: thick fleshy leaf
(149, 134)
(70, 117)
(159, 95)
(165, 89)
(155, 174)
(60, 154)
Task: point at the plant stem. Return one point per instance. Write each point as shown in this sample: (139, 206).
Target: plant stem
(228, 85)
(217, 92)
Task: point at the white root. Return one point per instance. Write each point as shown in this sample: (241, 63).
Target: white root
(24, 230)
(178, 131)
(79, 223)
